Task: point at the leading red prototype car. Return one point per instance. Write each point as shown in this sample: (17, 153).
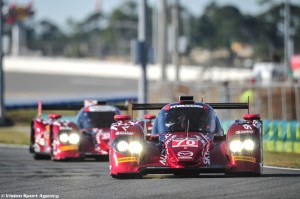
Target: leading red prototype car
(63, 139)
(190, 141)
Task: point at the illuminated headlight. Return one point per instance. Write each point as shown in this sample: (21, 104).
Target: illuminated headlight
(122, 146)
(74, 138)
(248, 145)
(236, 146)
(64, 137)
(135, 147)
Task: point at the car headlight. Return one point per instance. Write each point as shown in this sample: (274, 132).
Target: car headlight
(64, 137)
(122, 146)
(236, 146)
(74, 138)
(248, 145)
(135, 147)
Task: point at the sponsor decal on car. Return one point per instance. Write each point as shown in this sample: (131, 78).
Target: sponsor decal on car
(257, 124)
(69, 148)
(127, 159)
(244, 158)
(185, 143)
(186, 106)
(125, 127)
(66, 128)
(124, 133)
(185, 154)
(163, 159)
(105, 136)
(206, 158)
(244, 132)
(247, 127)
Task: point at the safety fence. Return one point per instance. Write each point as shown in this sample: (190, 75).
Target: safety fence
(273, 101)
(281, 136)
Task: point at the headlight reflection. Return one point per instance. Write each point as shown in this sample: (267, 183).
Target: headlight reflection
(132, 147)
(64, 137)
(238, 146)
(72, 138)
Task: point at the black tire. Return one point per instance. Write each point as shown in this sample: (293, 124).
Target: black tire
(102, 158)
(31, 149)
(52, 156)
(32, 138)
(243, 174)
(127, 176)
(40, 157)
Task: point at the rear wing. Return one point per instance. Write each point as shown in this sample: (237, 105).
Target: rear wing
(62, 106)
(158, 106)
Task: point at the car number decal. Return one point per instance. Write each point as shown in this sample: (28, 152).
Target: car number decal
(185, 143)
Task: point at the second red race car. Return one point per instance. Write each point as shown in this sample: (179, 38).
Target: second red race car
(87, 136)
(189, 141)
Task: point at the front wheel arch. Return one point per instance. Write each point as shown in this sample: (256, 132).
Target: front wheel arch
(32, 137)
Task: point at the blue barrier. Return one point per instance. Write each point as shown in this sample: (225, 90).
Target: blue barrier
(34, 104)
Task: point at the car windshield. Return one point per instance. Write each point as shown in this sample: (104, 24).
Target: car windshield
(190, 119)
(97, 119)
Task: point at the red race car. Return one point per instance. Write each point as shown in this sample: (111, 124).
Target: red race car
(61, 139)
(187, 139)
(149, 119)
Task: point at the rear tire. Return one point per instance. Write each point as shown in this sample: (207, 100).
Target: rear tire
(31, 149)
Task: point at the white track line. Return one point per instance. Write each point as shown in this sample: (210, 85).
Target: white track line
(281, 168)
(16, 146)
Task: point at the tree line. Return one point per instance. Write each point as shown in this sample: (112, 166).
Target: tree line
(105, 36)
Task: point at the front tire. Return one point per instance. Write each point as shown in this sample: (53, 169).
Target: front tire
(126, 176)
(40, 157)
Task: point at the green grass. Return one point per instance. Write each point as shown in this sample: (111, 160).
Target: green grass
(290, 160)
(13, 135)
(25, 116)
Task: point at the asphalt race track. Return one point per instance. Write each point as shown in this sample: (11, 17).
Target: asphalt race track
(22, 87)
(20, 175)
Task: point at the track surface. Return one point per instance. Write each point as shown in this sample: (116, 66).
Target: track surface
(30, 86)
(20, 174)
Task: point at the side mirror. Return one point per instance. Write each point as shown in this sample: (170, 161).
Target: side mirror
(251, 116)
(122, 117)
(54, 116)
(149, 116)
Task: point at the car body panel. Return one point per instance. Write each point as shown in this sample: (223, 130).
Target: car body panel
(93, 141)
(185, 152)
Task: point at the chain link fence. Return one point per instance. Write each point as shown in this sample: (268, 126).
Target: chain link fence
(274, 101)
